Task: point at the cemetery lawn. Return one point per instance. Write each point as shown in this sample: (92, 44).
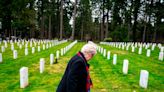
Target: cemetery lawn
(106, 77)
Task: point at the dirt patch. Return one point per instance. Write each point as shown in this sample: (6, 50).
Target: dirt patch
(120, 52)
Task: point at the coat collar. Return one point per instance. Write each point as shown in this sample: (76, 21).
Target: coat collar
(82, 56)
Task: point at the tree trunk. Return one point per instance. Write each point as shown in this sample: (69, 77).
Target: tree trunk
(61, 20)
(12, 32)
(154, 35)
(129, 20)
(134, 31)
(129, 29)
(82, 31)
(45, 33)
(107, 18)
(57, 27)
(15, 33)
(136, 8)
(49, 33)
(106, 31)
(158, 22)
(42, 21)
(102, 24)
(74, 19)
(144, 32)
(96, 32)
(99, 31)
(30, 33)
(42, 27)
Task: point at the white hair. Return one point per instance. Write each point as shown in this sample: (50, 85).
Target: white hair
(89, 48)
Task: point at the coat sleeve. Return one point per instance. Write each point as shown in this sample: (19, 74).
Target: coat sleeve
(76, 70)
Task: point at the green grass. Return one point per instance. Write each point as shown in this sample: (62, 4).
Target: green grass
(9, 70)
(109, 77)
(106, 77)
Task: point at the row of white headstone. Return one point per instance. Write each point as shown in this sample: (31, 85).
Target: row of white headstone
(148, 53)
(67, 48)
(107, 54)
(36, 43)
(24, 70)
(15, 52)
(22, 41)
(63, 52)
(135, 44)
(144, 74)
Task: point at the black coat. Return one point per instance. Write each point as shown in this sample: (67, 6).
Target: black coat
(75, 76)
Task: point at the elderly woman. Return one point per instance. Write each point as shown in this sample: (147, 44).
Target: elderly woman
(76, 77)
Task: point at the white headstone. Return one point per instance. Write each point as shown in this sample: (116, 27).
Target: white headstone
(162, 49)
(101, 50)
(26, 51)
(161, 55)
(108, 57)
(98, 48)
(153, 46)
(23, 77)
(42, 62)
(47, 46)
(146, 47)
(15, 54)
(133, 49)
(159, 45)
(12, 47)
(57, 54)
(20, 46)
(135, 45)
(23, 42)
(43, 47)
(148, 53)
(127, 47)
(50, 45)
(15, 41)
(114, 59)
(1, 58)
(10, 41)
(2, 48)
(104, 54)
(62, 52)
(38, 48)
(144, 78)
(125, 66)
(140, 50)
(123, 47)
(30, 44)
(51, 59)
(5, 44)
(119, 46)
(33, 50)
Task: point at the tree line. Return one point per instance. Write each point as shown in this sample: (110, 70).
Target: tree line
(111, 20)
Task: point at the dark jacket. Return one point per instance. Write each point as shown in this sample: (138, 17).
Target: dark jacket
(75, 76)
